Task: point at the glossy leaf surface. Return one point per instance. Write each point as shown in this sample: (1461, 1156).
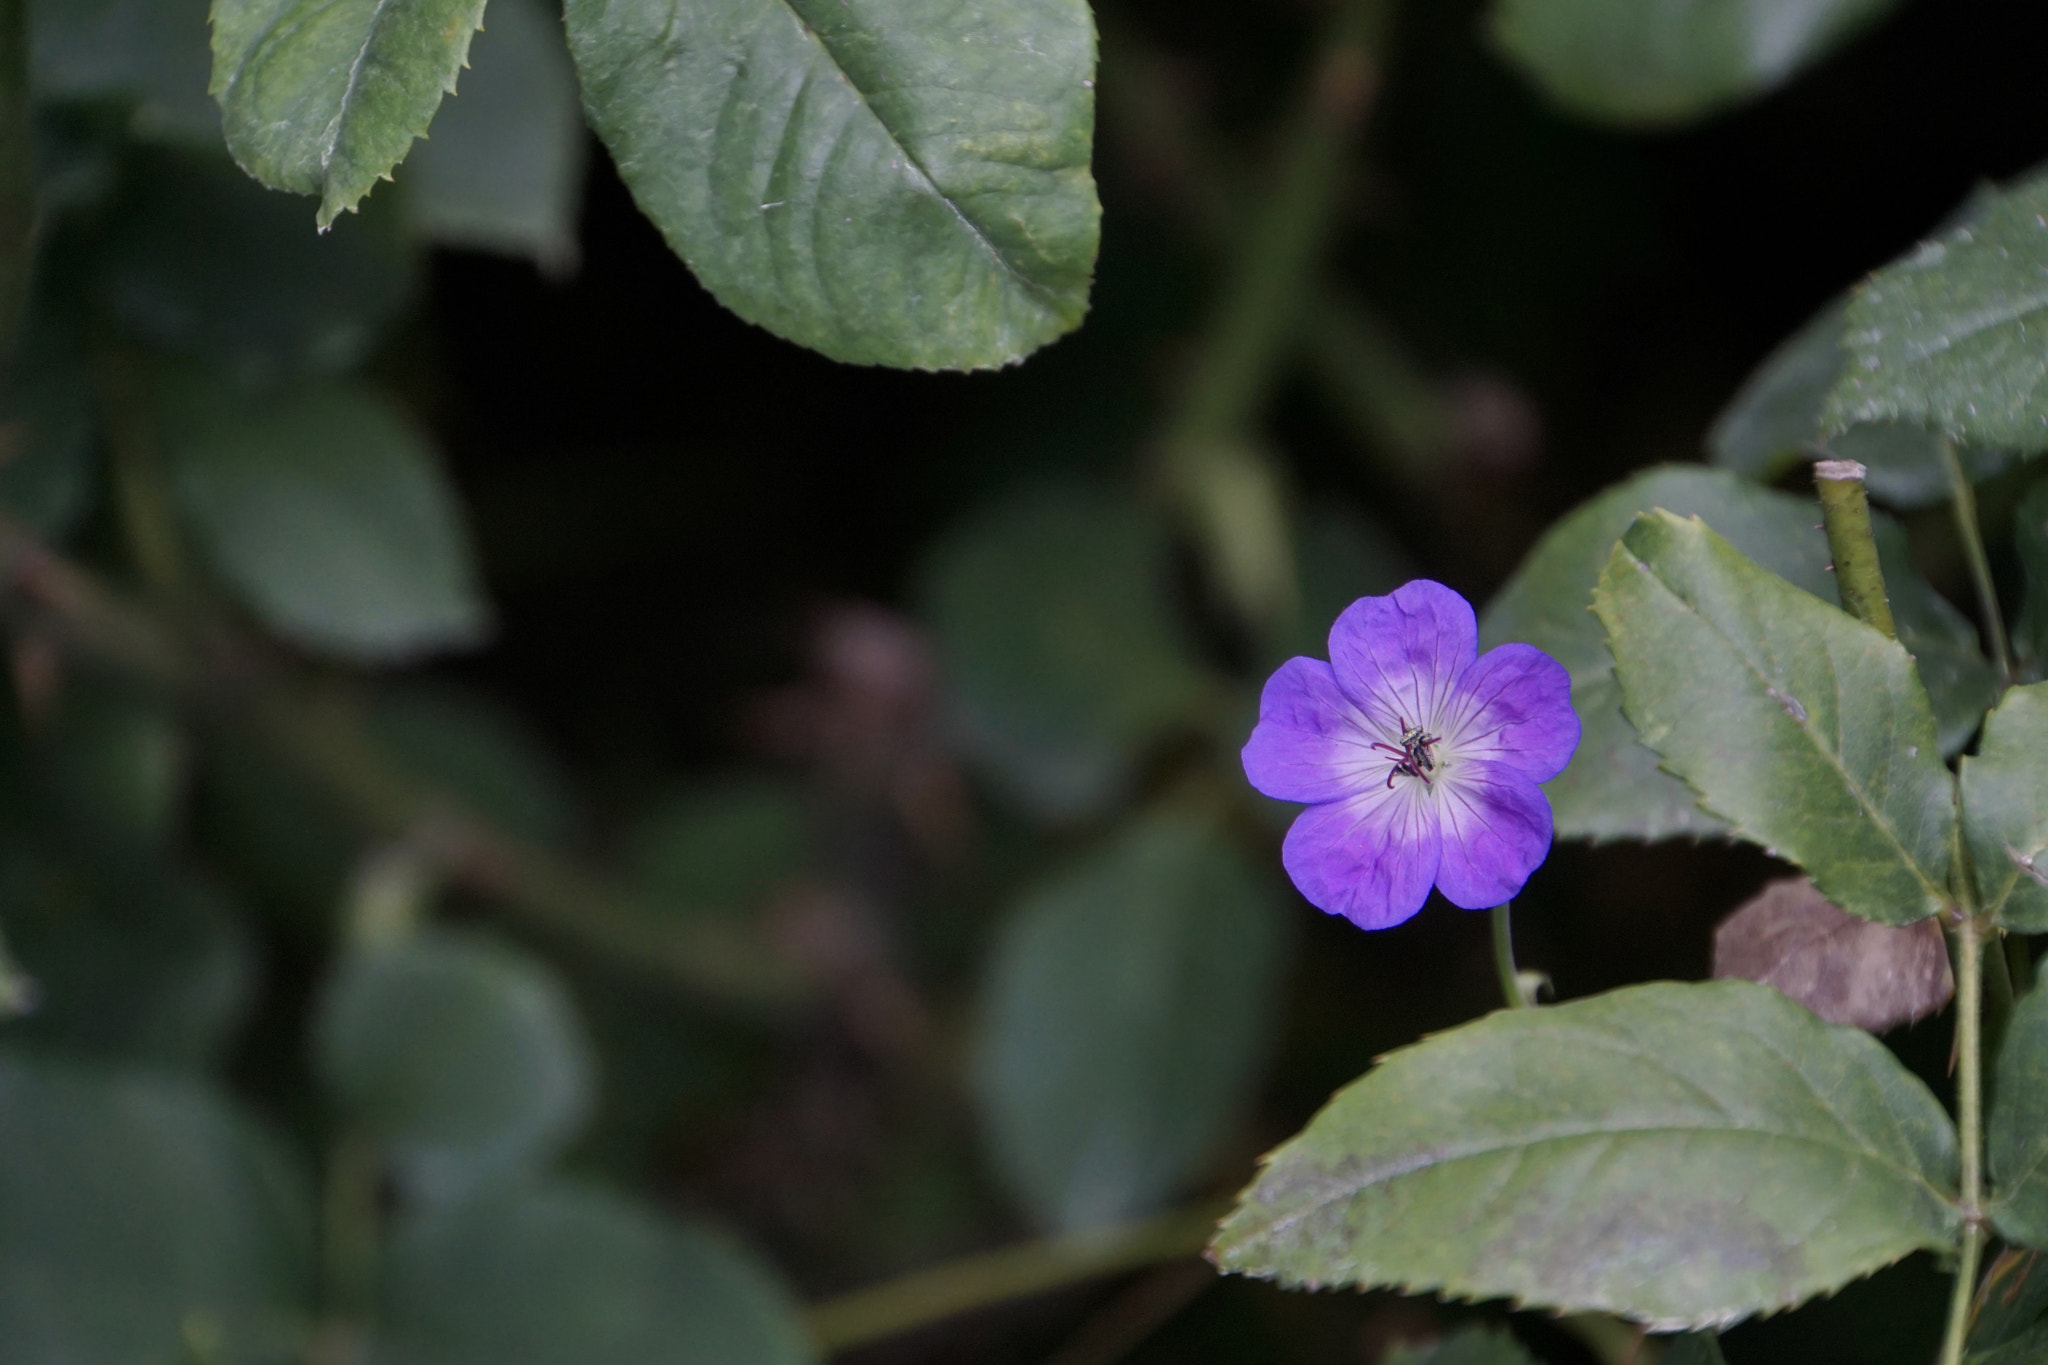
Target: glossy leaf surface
(464, 1057)
(1694, 1154)
(558, 1275)
(325, 97)
(1948, 335)
(2005, 810)
(894, 182)
(326, 510)
(1804, 728)
(1656, 62)
(1125, 1014)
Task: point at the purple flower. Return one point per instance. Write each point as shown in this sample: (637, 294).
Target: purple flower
(1419, 760)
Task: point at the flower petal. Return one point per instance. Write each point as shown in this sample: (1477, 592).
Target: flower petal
(1496, 831)
(1311, 743)
(1514, 706)
(1399, 656)
(1370, 859)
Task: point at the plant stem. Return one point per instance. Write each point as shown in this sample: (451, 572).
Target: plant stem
(926, 1296)
(1845, 512)
(1969, 1126)
(1963, 505)
(1511, 987)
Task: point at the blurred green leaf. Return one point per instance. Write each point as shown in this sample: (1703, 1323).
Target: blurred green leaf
(464, 1057)
(2010, 1299)
(203, 262)
(1467, 1346)
(1058, 631)
(1663, 62)
(2030, 542)
(903, 184)
(1125, 1015)
(1946, 335)
(2016, 1133)
(2028, 1348)
(47, 445)
(1803, 727)
(121, 761)
(559, 1275)
(152, 54)
(721, 846)
(1614, 788)
(285, 840)
(481, 753)
(503, 168)
(2005, 811)
(142, 1214)
(1342, 558)
(129, 962)
(327, 512)
(1694, 1348)
(1778, 410)
(325, 97)
(1692, 1155)
(1960, 681)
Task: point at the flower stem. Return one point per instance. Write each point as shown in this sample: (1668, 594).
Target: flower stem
(1845, 512)
(1969, 1125)
(1963, 506)
(1511, 987)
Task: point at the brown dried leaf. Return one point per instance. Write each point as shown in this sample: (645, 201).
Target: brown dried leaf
(1845, 969)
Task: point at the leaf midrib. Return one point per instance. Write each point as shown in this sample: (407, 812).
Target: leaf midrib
(981, 238)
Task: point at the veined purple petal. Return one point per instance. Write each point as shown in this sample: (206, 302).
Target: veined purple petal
(1399, 656)
(1311, 743)
(1514, 706)
(1495, 832)
(1370, 859)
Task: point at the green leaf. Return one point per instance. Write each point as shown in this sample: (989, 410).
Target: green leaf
(1694, 1348)
(326, 510)
(464, 1057)
(120, 763)
(721, 846)
(558, 1275)
(202, 262)
(1947, 335)
(1665, 62)
(1614, 788)
(2016, 1133)
(151, 53)
(140, 1214)
(481, 753)
(2030, 542)
(1960, 681)
(1125, 1015)
(898, 182)
(2028, 1348)
(1061, 642)
(325, 97)
(1467, 1346)
(1681, 1154)
(2005, 811)
(1777, 411)
(2010, 1299)
(1339, 559)
(1804, 728)
(503, 169)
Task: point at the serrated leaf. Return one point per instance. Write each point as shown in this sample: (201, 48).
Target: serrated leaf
(151, 53)
(2005, 810)
(503, 168)
(1127, 1008)
(2016, 1132)
(1948, 334)
(893, 182)
(1061, 644)
(558, 1275)
(1777, 411)
(1664, 62)
(1614, 788)
(463, 1057)
(1846, 970)
(1686, 1155)
(138, 1214)
(1804, 728)
(325, 509)
(1467, 1346)
(325, 97)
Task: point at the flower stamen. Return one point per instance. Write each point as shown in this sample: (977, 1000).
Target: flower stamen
(1413, 758)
